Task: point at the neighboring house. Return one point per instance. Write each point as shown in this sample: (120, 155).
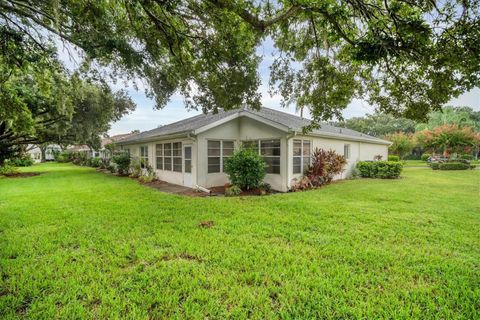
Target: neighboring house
(193, 151)
(103, 152)
(36, 153)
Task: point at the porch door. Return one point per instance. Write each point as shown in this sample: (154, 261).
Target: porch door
(187, 165)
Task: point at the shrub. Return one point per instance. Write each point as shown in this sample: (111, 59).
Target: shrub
(7, 169)
(265, 188)
(63, 156)
(378, 157)
(303, 184)
(94, 162)
(325, 166)
(112, 168)
(467, 157)
(453, 166)
(79, 158)
(24, 160)
(435, 165)
(246, 169)
(392, 157)
(122, 163)
(380, 169)
(135, 169)
(148, 175)
(425, 156)
(233, 191)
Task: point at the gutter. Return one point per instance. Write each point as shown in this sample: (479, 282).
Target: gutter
(188, 134)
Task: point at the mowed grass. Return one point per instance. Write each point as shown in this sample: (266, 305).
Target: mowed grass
(78, 244)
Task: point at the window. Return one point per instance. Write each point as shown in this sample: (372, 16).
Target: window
(177, 156)
(169, 156)
(301, 155)
(346, 151)
(218, 151)
(143, 156)
(159, 156)
(167, 160)
(188, 159)
(270, 150)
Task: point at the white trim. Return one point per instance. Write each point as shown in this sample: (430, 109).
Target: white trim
(346, 138)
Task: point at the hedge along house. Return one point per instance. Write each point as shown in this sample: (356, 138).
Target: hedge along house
(193, 151)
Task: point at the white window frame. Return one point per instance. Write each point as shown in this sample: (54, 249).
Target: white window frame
(259, 150)
(171, 156)
(301, 156)
(144, 156)
(347, 151)
(221, 155)
(162, 156)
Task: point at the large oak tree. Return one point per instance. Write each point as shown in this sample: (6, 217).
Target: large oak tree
(407, 57)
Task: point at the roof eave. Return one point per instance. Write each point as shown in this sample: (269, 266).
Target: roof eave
(347, 137)
(157, 137)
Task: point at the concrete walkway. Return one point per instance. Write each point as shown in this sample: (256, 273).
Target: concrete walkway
(169, 187)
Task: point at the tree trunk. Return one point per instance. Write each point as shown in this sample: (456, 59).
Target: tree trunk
(43, 150)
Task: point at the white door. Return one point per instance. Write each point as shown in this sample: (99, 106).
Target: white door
(187, 165)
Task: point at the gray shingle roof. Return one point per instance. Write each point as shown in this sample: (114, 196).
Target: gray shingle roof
(293, 122)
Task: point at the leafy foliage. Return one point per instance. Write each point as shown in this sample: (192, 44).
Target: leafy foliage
(425, 156)
(454, 166)
(233, 190)
(122, 163)
(148, 175)
(8, 169)
(407, 58)
(24, 160)
(393, 158)
(448, 139)
(380, 169)
(325, 166)
(245, 169)
(401, 143)
(379, 124)
(460, 116)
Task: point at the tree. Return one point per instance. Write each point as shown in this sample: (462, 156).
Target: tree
(405, 57)
(40, 103)
(379, 124)
(402, 144)
(460, 116)
(449, 138)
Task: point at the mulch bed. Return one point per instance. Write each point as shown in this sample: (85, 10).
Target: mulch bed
(23, 174)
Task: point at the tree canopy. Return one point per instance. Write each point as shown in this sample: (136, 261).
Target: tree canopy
(406, 57)
(379, 124)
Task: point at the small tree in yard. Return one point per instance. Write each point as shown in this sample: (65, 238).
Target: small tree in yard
(246, 169)
(402, 144)
(325, 166)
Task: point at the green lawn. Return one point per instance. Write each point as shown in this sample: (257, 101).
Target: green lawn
(79, 244)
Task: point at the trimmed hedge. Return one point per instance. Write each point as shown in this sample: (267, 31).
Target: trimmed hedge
(392, 157)
(454, 166)
(380, 169)
(467, 157)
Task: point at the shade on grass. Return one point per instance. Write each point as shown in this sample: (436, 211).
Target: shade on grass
(75, 243)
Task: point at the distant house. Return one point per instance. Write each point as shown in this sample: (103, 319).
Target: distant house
(193, 151)
(36, 153)
(103, 152)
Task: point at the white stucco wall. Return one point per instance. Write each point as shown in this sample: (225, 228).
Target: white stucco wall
(240, 129)
(359, 151)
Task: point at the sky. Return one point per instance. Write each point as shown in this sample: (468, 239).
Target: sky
(146, 117)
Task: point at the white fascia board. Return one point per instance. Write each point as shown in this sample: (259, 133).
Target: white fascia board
(185, 134)
(347, 137)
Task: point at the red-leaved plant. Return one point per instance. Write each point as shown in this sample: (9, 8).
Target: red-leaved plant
(325, 166)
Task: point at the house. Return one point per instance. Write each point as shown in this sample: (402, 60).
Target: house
(103, 152)
(193, 151)
(35, 152)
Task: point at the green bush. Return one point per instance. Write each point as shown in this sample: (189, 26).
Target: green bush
(246, 169)
(135, 168)
(380, 169)
(425, 156)
(24, 160)
(63, 156)
(233, 191)
(94, 162)
(467, 157)
(7, 169)
(454, 166)
(435, 165)
(392, 157)
(122, 163)
(148, 175)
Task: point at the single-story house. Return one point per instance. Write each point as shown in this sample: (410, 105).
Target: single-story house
(103, 152)
(192, 152)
